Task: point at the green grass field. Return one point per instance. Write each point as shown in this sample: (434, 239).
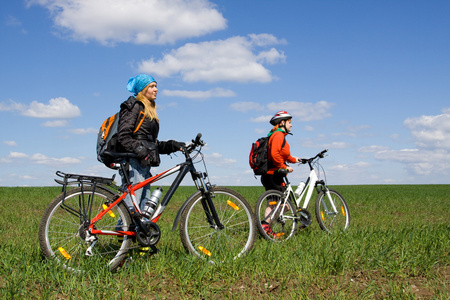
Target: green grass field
(397, 247)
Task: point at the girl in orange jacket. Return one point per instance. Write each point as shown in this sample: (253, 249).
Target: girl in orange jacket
(279, 152)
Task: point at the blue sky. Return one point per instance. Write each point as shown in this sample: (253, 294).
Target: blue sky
(369, 80)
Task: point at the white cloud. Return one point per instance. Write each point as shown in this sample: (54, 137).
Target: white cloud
(17, 155)
(134, 21)
(262, 119)
(318, 143)
(265, 39)
(234, 59)
(336, 145)
(432, 137)
(42, 159)
(55, 123)
(218, 160)
(212, 93)
(13, 156)
(12, 106)
(10, 143)
(422, 162)
(431, 131)
(304, 111)
(356, 167)
(271, 57)
(372, 148)
(246, 106)
(83, 131)
(58, 108)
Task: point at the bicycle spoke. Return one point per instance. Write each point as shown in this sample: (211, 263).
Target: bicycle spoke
(60, 229)
(218, 245)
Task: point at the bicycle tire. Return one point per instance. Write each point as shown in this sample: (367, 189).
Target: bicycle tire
(207, 241)
(329, 221)
(282, 228)
(62, 234)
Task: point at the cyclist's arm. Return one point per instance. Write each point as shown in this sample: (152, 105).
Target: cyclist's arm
(280, 154)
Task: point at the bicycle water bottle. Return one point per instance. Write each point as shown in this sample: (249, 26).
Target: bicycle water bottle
(299, 189)
(151, 204)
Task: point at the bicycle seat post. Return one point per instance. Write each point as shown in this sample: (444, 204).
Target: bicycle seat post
(124, 168)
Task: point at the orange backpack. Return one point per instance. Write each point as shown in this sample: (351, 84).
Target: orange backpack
(107, 137)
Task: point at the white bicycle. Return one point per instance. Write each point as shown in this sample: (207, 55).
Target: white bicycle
(279, 214)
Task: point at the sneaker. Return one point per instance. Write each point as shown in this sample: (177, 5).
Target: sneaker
(147, 251)
(268, 230)
(143, 251)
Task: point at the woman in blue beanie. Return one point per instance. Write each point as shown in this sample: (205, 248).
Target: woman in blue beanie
(138, 133)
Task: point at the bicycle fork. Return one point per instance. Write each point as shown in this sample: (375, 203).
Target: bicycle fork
(325, 189)
(207, 203)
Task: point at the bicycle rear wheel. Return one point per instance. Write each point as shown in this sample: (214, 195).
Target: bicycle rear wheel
(203, 239)
(328, 219)
(62, 231)
(271, 225)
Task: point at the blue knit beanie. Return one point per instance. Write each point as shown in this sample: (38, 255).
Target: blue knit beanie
(138, 83)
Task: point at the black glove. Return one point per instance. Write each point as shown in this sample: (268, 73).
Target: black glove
(147, 161)
(170, 146)
(142, 152)
(176, 146)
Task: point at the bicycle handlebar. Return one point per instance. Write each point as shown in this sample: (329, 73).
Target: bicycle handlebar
(187, 149)
(309, 160)
(195, 142)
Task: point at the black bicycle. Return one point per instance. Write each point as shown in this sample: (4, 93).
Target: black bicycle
(81, 225)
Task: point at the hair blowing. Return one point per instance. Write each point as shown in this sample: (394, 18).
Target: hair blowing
(149, 105)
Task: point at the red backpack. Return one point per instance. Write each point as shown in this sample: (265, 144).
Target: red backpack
(259, 157)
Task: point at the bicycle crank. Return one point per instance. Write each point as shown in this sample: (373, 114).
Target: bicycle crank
(305, 217)
(152, 238)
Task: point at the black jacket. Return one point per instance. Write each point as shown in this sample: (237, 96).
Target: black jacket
(130, 115)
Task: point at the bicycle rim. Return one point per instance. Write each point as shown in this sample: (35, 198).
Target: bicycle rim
(328, 219)
(204, 240)
(279, 227)
(62, 235)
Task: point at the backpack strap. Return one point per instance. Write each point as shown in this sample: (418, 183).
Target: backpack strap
(129, 104)
(139, 121)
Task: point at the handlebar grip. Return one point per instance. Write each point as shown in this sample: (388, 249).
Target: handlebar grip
(197, 138)
(322, 153)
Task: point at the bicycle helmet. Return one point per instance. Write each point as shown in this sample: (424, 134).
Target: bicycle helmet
(280, 116)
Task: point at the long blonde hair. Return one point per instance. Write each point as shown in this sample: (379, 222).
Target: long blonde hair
(149, 105)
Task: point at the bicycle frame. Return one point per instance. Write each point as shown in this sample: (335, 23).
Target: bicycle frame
(312, 183)
(183, 169)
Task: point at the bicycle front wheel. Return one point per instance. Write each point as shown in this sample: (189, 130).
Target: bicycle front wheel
(63, 236)
(275, 222)
(201, 236)
(329, 219)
